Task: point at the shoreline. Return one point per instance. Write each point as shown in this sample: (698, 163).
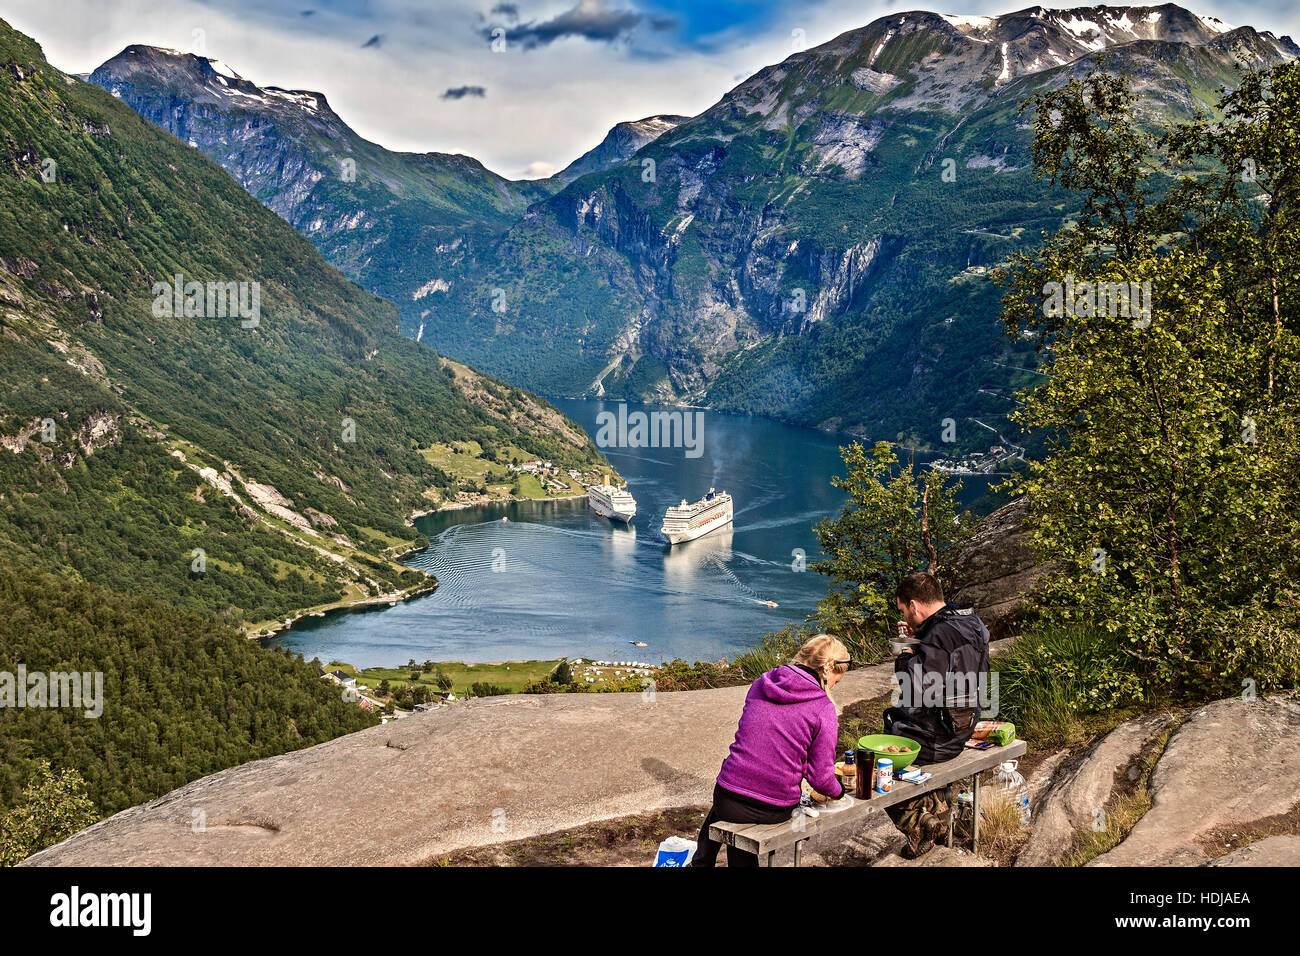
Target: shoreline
(265, 631)
(512, 499)
(391, 599)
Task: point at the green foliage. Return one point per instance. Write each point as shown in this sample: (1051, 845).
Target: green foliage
(677, 674)
(79, 343)
(774, 650)
(1053, 675)
(183, 696)
(54, 806)
(1167, 496)
(876, 541)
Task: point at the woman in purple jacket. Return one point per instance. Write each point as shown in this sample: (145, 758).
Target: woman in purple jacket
(788, 733)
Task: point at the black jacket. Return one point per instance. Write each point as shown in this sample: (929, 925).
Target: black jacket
(939, 683)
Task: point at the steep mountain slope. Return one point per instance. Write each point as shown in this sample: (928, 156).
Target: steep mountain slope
(380, 216)
(396, 223)
(244, 465)
(618, 145)
(813, 246)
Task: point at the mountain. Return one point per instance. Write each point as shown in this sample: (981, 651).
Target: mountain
(814, 246)
(245, 466)
(619, 144)
(394, 222)
(378, 215)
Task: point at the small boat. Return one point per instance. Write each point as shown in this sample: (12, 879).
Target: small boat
(638, 643)
(771, 604)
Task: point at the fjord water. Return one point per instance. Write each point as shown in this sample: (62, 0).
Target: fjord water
(556, 580)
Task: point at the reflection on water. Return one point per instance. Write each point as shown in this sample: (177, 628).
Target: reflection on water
(710, 553)
(558, 580)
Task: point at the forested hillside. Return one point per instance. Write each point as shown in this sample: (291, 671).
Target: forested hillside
(183, 695)
(308, 424)
(177, 466)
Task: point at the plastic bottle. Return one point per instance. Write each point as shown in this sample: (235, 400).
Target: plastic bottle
(1012, 783)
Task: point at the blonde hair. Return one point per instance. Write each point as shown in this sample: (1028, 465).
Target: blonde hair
(824, 655)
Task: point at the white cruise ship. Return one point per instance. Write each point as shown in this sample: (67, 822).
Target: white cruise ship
(686, 522)
(610, 502)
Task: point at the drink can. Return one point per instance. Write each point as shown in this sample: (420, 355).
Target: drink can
(884, 775)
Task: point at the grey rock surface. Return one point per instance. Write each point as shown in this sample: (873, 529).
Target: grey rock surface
(480, 772)
(995, 569)
(1272, 851)
(1231, 763)
(1078, 792)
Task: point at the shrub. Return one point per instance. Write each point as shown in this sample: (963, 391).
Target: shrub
(1053, 675)
(774, 650)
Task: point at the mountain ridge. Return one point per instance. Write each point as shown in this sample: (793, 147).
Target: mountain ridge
(784, 252)
(244, 464)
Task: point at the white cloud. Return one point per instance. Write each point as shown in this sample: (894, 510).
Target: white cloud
(545, 105)
(538, 169)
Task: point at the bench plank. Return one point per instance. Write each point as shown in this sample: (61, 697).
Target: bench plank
(765, 838)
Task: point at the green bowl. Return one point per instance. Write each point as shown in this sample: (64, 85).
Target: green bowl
(874, 743)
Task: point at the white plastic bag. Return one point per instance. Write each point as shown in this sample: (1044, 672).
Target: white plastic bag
(675, 851)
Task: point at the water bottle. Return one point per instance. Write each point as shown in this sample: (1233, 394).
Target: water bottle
(1012, 783)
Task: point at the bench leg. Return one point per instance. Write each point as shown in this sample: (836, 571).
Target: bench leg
(975, 809)
(798, 852)
(770, 858)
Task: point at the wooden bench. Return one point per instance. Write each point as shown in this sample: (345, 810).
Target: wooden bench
(764, 839)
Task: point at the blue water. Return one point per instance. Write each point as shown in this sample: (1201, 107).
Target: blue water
(557, 580)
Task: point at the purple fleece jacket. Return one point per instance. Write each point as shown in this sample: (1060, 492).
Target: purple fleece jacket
(788, 731)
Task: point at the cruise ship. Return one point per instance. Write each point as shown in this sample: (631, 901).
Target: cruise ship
(686, 522)
(610, 502)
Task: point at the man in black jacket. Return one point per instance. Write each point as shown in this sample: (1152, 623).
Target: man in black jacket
(938, 704)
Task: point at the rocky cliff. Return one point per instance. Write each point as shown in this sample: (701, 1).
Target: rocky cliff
(813, 247)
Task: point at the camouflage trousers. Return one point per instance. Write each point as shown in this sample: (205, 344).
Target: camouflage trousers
(924, 819)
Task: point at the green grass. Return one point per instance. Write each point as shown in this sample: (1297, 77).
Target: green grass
(511, 674)
(1064, 686)
(1122, 811)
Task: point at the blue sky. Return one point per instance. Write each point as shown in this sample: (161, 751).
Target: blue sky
(427, 75)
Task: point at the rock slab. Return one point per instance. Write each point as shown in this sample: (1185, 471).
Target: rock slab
(1231, 763)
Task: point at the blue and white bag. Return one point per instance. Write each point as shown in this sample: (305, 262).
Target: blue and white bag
(675, 851)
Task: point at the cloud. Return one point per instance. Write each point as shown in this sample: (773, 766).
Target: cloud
(374, 41)
(552, 103)
(538, 169)
(508, 10)
(589, 20)
(460, 92)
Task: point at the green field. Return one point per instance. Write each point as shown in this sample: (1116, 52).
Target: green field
(511, 674)
(466, 461)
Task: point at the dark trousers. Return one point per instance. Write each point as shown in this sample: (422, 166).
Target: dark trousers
(731, 807)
